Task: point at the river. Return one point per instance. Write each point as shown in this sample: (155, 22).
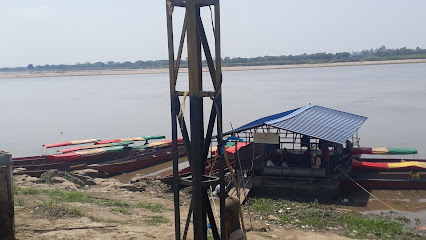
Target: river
(36, 111)
(45, 110)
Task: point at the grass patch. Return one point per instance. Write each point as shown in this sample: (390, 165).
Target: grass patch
(314, 216)
(19, 202)
(152, 207)
(51, 210)
(363, 227)
(124, 211)
(156, 220)
(29, 191)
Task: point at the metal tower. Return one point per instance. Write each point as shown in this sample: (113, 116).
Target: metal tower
(197, 143)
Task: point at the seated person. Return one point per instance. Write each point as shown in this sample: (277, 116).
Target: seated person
(316, 162)
(269, 163)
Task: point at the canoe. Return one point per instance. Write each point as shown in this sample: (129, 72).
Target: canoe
(75, 142)
(388, 166)
(383, 151)
(390, 160)
(144, 138)
(149, 155)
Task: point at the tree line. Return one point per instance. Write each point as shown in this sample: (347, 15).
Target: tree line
(378, 54)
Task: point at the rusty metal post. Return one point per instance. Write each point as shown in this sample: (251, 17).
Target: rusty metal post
(7, 214)
(197, 142)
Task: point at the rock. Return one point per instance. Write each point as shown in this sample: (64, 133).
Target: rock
(85, 179)
(137, 178)
(68, 185)
(30, 179)
(136, 187)
(58, 180)
(93, 173)
(273, 218)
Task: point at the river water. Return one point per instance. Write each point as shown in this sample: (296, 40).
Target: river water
(46, 110)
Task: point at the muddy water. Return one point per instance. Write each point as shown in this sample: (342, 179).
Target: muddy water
(394, 203)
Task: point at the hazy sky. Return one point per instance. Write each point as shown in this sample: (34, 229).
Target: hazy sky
(58, 31)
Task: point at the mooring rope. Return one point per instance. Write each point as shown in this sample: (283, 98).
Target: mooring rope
(182, 105)
(359, 185)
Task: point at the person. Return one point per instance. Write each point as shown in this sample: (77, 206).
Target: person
(325, 152)
(414, 175)
(232, 219)
(285, 153)
(316, 162)
(269, 163)
(305, 141)
(349, 147)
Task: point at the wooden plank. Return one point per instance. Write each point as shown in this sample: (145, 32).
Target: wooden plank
(7, 226)
(244, 187)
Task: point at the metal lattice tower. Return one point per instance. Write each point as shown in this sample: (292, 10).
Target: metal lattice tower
(197, 143)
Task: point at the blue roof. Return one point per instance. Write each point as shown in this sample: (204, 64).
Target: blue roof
(315, 121)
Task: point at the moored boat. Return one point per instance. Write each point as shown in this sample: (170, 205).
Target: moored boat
(388, 166)
(148, 155)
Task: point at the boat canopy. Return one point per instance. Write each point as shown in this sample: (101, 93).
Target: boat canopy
(312, 120)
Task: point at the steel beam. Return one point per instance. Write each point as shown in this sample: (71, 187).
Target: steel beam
(196, 142)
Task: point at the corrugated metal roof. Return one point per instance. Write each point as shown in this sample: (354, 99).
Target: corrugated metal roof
(321, 122)
(313, 120)
(260, 121)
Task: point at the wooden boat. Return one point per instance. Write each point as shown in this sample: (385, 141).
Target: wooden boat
(383, 151)
(384, 180)
(43, 159)
(212, 165)
(144, 138)
(78, 157)
(388, 166)
(150, 154)
(390, 160)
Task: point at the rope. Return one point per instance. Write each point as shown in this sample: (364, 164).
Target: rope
(182, 105)
(366, 189)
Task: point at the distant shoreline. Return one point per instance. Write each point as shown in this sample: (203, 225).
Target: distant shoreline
(166, 70)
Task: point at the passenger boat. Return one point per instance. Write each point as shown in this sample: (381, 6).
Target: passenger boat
(148, 155)
(212, 165)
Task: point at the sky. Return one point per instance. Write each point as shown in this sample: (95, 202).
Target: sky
(43, 32)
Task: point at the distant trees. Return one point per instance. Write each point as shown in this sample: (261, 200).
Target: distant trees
(377, 54)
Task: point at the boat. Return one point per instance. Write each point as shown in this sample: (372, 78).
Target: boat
(148, 155)
(383, 151)
(383, 180)
(144, 138)
(78, 157)
(212, 165)
(388, 166)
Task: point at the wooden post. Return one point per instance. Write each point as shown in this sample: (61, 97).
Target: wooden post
(7, 223)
